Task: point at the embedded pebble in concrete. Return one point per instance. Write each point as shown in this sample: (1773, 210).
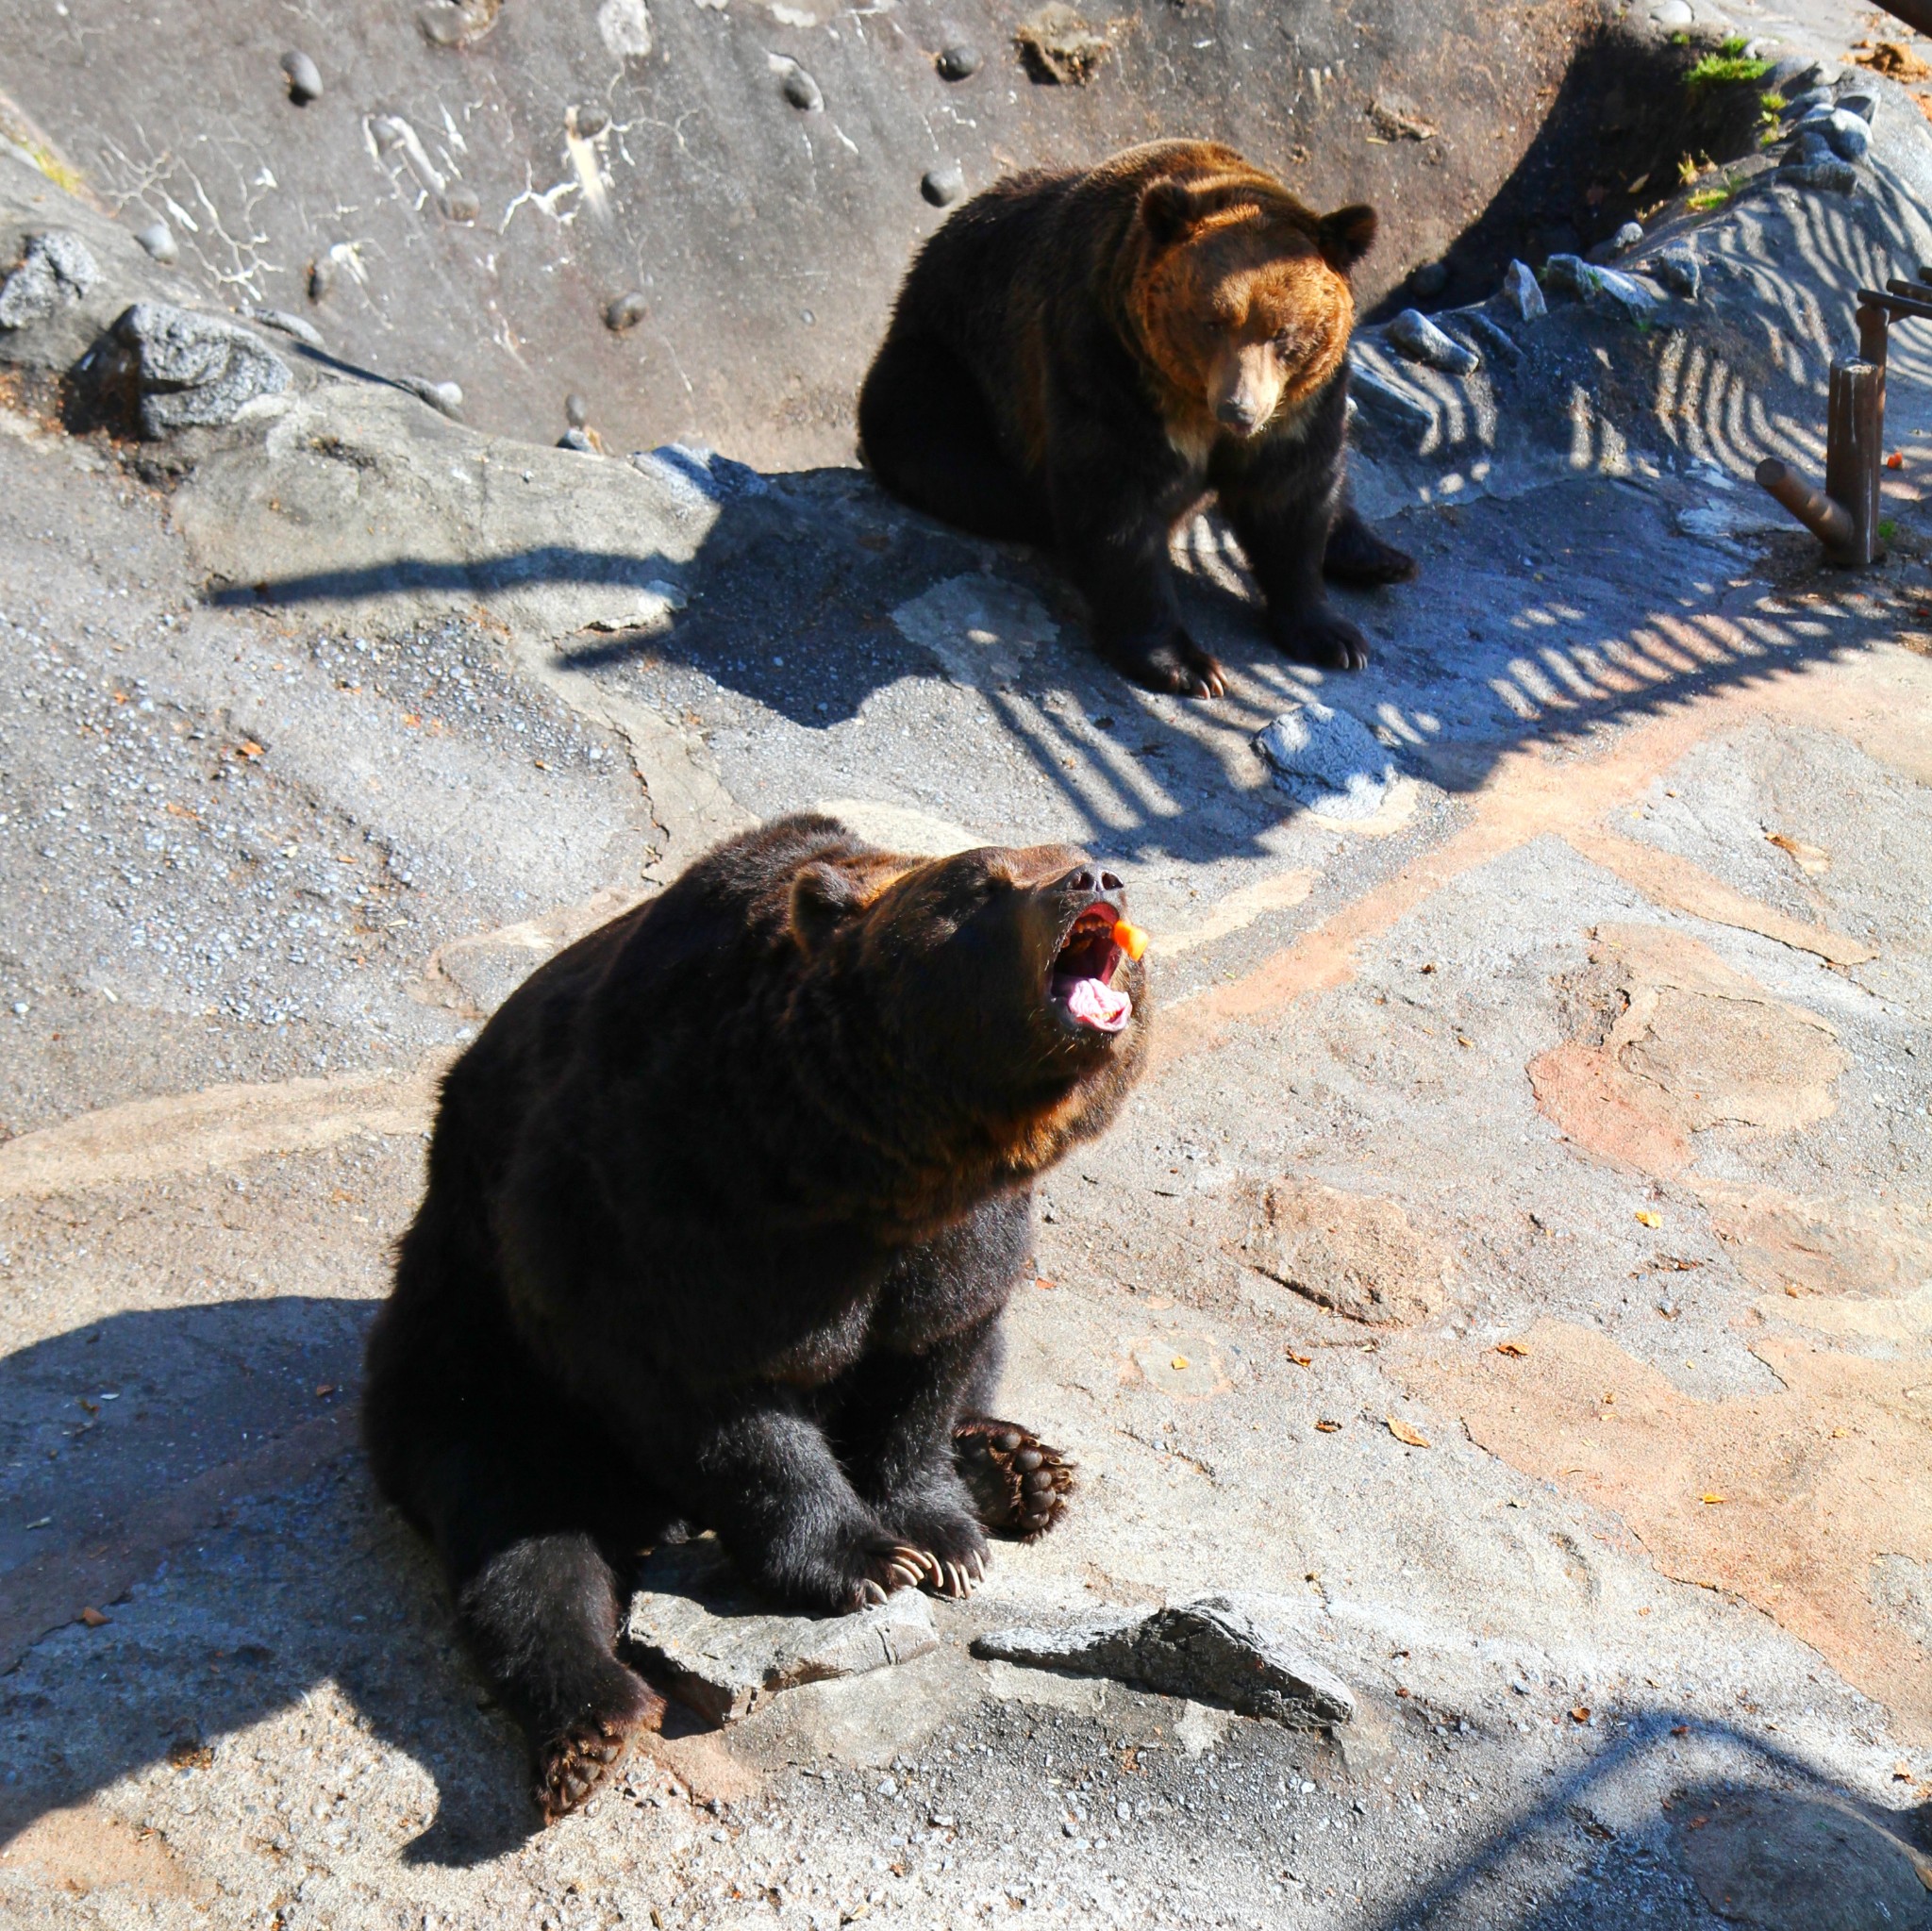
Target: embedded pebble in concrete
(194, 370)
(944, 186)
(461, 204)
(445, 396)
(442, 25)
(960, 62)
(800, 89)
(1415, 336)
(1217, 1649)
(722, 1651)
(1328, 761)
(625, 311)
(1812, 98)
(388, 131)
(56, 270)
(305, 78)
(1523, 292)
(157, 239)
(1681, 270)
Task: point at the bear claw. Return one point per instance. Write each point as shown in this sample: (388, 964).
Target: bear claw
(1018, 1485)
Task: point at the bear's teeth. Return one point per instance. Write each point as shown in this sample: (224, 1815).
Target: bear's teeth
(1095, 1003)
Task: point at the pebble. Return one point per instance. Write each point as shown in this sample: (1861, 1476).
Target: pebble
(461, 204)
(1863, 105)
(281, 321)
(442, 25)
(1835, 177)
(1681, 270)
(1521, 290)
(960, 62)
(625, 311)
(1431, 278)
(574, 438)
(1808, 102)
(1580, 278)
(801, 89)
(446, 396)
(55, 272)
(577, 410)
(322, 277)
(1848, 134)
(1492, 336)
(1809, 149)
(159, 239)
(944, 185)
(1674, 15)
(305, 78)
(1414, 335)
(388, 131)
(1626, 238)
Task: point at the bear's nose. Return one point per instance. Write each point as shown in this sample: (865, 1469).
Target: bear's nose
(1237, 412)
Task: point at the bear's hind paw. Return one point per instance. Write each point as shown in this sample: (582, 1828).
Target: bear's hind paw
(575, 1761)
(1018, 1485)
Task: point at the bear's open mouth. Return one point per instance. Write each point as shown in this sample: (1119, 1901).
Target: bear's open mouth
(1079, 983)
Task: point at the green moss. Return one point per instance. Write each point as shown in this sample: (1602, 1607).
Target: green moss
(1726, 66)
(57, 171)
(1886, 530)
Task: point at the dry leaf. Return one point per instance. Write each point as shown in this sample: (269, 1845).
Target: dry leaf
(323, 1389)
(1178, 1362)
(1403, 1432)
(1649, 1219)
(1045, 1286)
(1327, 1427)
(1709, 1500)
(93, 1619)
(412, 719)
(1580, 1714)
(1301, 1360)
(1511, 1348)
(248, 748)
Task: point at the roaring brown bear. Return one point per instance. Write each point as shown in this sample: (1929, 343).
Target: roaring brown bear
(725, 1205)
(1078, 358)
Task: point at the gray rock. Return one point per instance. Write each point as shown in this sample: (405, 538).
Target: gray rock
(322, 277)
(445, 397)
(1833, 178)
(1522, 291)
(1809, 149)
(56, 270)
(461, 202)
(1849, 134)
(574, 438)
(1430, 279)
(724, 1652)
(280, 320)
(692, 467)
(1412, 334)
(1856, 101)
(305, 78)
(625, 311)
(800, 89)
(442, 23)
(1328, 761)
(1681, 270)
(157, 239)
(1626, 238)
(1798, 106)
(194, 372)
(1216, 1649)
(944, 186)
(1601, 287)
(1672, 16)
(960, 62)
(577, 410)
(1375, 390)
(1494, 337)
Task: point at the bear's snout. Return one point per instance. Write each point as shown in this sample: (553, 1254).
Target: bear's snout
(1247, 388)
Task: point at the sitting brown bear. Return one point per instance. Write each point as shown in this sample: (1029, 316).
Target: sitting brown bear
(723, 1207)
(1077, 357)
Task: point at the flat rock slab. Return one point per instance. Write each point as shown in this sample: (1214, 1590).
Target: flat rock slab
(702, 1634)
(1215, 1650)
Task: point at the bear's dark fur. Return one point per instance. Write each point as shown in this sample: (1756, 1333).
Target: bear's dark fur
(723, 1207)
(1076, 358)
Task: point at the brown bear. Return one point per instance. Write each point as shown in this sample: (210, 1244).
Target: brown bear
(1078, 358)
(724, 1206)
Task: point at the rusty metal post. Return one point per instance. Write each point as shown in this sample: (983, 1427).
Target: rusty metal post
(1855, 429)
(1874, 325)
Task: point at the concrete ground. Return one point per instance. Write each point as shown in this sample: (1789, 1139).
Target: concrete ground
(1516, 1271)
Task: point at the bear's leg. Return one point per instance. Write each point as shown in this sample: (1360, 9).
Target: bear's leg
(927, 434)
(538, 1607)
(765, 1478)
(1114, 546)
(1282, 509)
(1356, 555)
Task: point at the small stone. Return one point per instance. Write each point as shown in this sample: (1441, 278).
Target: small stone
(194, 370)
(159, 241)
(801, 89)
(1430, 279)
(574, 438)
(589, 121)
(960, 62)
(445, 396)
(1521, 290)
(1626, 238)
(1414, 335)
(461, 202)
(1600, 286)
(944, 186)
(1834, 177)
(322, 277)
(1810, 149)
(284, 324)
(624, 28)
(1848, 134)
(577, 410)
(1674, 16)
(1061, 48)
(1497, 339)
(305, 78)
(442, 25)
(1681, 270)
(1328, 761)
(1798, 106)
(625, 311)
(1863, 105)
(55, 271)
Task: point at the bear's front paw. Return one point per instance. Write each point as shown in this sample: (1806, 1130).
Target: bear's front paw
(953, 1540)
(1168, 660)
(1323, 639)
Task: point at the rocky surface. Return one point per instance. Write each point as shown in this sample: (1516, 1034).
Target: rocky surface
(1510, 1285)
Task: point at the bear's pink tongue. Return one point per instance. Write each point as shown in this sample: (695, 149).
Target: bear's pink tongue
(1095, 1003)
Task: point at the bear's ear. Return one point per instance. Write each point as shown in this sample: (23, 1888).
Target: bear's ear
(822, 897)
(1168, 208)
(1346, 236)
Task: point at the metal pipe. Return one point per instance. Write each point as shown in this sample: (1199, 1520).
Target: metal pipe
(1920, 291)
(1829, 522)
(1899, 305)
(1855, 429)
